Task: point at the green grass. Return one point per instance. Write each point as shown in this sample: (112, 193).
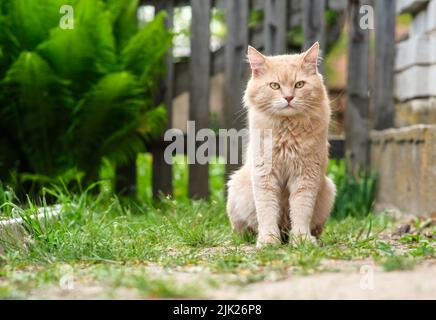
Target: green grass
(398, 262)
(100, 233)
(113, 241)
(59, 277)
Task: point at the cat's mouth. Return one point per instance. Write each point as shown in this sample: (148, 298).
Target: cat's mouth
(289, 106)
(285, 106)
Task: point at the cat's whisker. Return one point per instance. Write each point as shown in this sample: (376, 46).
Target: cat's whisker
(337, 97)
(240, 113)
(238, 117)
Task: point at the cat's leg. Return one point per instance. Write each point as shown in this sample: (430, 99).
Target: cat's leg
(303, 195)
(267, 201)
(240, 202)
(323, 206)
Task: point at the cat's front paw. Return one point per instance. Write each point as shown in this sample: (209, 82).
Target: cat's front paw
(267, 240)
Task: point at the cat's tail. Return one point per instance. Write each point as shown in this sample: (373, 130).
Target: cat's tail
(240, 201)
(323, 206)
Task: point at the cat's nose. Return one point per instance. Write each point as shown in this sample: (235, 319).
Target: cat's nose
(289, 98)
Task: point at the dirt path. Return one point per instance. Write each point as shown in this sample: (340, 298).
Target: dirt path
(351, 280)
(419, 283)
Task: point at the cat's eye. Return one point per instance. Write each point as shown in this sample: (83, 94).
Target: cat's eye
(299, 84)
(274, 86)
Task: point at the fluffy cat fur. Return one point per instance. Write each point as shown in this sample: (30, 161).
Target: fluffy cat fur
(291, 195)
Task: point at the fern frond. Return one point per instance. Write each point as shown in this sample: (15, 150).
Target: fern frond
(39, 106)
(152, 122)
(30, 21)
(70, 97)
(143, 54)
(124, 20)
(85, 53)
(112, 105)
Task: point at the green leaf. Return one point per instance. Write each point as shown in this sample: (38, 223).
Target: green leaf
(72, 96)
(111, 107)
(31, 20)
(124, 19)
(87, 51)
(143, 54)
(39, 107)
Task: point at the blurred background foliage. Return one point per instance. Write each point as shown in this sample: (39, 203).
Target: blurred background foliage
(77, 103)
(70, 98)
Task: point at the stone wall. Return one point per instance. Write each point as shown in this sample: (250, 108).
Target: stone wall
(415, 65)
(405, 159)
(405, 156)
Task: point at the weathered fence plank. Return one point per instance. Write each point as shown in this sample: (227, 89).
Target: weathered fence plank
(383, 113)
(162, 171)
(356, 114)
(275, 26)
(235, 68)
(199, 90)
(125, 181)
(182, 71)
(314, 24)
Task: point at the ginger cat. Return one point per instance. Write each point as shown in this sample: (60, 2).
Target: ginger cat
(291, 192)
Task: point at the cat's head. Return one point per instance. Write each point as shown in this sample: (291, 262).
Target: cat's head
(286, 85)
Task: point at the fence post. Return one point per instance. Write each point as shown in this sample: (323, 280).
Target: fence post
(235, 68)
(162, 172)
(356, 113)
(275, 26)
(199, 90)
(314, 24)
(383, 113)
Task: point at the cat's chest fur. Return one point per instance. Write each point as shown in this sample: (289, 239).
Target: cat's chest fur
(297, 145)
(292, 141)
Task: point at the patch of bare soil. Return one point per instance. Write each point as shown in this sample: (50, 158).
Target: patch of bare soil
(352, 280)
(367, 282)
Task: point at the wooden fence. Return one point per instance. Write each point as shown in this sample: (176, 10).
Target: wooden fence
(195, 75)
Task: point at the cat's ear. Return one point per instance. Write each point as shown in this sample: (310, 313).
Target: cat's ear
(257, 61)
(311, 56)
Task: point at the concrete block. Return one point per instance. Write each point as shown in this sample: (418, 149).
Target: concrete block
(415, 50)
(425, 20)
(410, 6)
(431, 17)
(405, 160)
(419, 24)
(417, 111)
(416, 82)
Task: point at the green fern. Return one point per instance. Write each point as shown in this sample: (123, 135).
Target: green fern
(69, 98)
(99, 115)
(355, 194)
(143, 53)
(38, 108)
